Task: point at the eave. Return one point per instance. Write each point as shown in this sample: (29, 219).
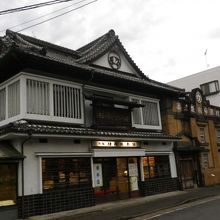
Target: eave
(24, 128)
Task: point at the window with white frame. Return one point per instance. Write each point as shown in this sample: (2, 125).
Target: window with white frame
(202, 134)
(2, 104)
(37, 97)
(147, 116)
(14, 99)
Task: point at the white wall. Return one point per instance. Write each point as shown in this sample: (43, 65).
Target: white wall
(125, 66)
(195, 80)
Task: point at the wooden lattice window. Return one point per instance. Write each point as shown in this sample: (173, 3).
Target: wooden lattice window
(14, 99)
(37, 97)
(2, 104)
(67, 101)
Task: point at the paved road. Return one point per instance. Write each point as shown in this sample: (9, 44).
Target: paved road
(198, 210)
(128, 209)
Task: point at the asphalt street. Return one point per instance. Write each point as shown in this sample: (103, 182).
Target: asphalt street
(161, 206)
(198, 210)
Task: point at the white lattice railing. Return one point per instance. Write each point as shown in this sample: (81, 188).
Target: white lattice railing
(37, 97)
(67, 101)
(14, 99)
(30, 97)
(2, 104)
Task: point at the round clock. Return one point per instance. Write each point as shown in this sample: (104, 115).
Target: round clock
(114, 60)
(198, 97)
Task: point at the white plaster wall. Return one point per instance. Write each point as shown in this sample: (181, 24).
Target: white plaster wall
(157, 146)
(195, 80)
(173, 170)
(125, 66)
(32, 165)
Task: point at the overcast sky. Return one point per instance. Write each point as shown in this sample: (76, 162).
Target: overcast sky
(166, 38)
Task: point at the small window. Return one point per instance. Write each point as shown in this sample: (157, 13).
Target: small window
(218, 135)
(210, 88)
(205, 160)
(202, 135)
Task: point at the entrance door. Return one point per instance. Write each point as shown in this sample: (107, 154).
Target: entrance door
(115, 178)
(8, 190)
(187, 173)
(122, 178)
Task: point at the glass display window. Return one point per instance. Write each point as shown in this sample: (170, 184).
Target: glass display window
(156, 166)
(8, 184)
(66, 172)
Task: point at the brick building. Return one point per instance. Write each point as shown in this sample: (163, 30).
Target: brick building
(197, 123)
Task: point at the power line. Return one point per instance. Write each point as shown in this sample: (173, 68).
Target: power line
(33, 6)
(45, 15)
(57, 16)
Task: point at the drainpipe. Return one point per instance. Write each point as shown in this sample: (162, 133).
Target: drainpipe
(22, 174)
(179, 174)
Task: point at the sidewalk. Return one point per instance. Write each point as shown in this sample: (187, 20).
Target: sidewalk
(125, 209)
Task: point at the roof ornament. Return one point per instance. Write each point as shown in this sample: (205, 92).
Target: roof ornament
(19, 42)
(111, 33)
(114, 60)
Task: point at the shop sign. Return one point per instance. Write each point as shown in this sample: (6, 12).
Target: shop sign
(115, 144)
(133, 176)
(97, 169)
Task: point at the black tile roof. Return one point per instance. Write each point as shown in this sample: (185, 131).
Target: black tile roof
(97, 47)
(102, 45)
(112, 74)
(47, 129)
(79, 59)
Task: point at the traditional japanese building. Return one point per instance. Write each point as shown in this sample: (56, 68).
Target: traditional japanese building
(196, 122)
(79, 127)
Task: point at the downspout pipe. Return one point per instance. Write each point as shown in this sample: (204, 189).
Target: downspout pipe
(22, 173)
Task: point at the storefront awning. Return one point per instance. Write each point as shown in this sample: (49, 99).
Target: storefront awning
(8, 152)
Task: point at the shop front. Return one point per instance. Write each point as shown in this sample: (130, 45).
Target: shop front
(159, 168)
(116, 170)
(9, 159)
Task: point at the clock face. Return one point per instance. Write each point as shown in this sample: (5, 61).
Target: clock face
(198, 97)
(114, 60)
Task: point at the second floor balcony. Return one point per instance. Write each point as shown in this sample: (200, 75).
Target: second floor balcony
(39, 98)
(34, 98)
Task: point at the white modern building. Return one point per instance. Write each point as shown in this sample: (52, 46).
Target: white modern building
(207, 80)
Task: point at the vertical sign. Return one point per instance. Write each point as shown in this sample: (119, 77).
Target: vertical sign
(97, 168)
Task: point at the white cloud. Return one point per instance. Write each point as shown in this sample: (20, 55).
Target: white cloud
(167, 39)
